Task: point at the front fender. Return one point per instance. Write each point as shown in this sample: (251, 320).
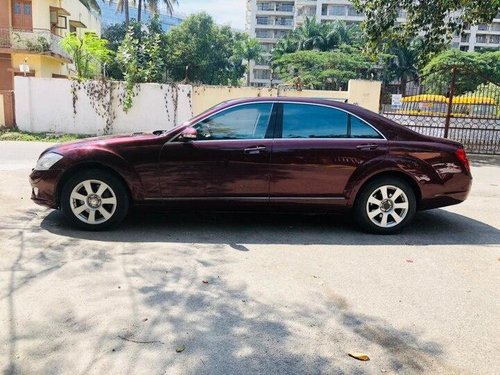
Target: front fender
(96, 157)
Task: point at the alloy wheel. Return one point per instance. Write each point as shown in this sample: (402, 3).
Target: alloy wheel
(387, 206)
(93, 202)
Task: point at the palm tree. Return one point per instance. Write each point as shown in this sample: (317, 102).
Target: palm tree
(404, 64)
(91, 4)
(123, 6)
(250, 49)
(312, 35)
(152, 5)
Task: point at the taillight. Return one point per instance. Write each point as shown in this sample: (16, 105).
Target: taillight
(462, 156)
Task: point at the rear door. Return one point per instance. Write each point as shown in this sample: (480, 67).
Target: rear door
(316, 151)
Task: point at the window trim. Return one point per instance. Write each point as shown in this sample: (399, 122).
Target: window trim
(276, 122)
(279, 128)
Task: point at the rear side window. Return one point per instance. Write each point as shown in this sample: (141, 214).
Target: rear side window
(313, 121)
(360, 129)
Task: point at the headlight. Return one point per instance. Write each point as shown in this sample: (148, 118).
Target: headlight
(47, 161)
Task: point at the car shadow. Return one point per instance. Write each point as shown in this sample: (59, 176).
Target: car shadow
(435, 227)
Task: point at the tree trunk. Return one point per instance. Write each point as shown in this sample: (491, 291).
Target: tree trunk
(127, 15)
(248, 74)
(402, 85)
(139, 11)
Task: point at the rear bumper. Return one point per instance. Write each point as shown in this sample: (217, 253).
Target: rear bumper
(44, 187)
(456, 190)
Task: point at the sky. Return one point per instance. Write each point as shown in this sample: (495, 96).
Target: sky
(224, 12)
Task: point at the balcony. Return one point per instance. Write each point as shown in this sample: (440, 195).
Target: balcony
(36, 41)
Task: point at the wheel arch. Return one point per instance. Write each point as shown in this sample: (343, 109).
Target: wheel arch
(89, 165)
(391, 173)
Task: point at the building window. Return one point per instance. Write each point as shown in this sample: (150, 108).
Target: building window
(480, 38)
(351, 11)
(284, 7)
(263, 21)
(267, 7)
(495, 39)
(262, 74)
(336, 10)
(263, 34)
(482, 27)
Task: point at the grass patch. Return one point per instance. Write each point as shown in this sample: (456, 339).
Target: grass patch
(16, 135)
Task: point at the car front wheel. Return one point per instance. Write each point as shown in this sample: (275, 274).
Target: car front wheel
(385, 205)
(94, 200)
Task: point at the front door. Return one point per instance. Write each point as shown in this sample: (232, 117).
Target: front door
(22, 18)
(319, 150)
(229, 158)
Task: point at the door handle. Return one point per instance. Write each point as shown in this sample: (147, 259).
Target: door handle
(371, 146)
(254, 150)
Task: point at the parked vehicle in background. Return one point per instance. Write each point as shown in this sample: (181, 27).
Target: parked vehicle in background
(259, 154)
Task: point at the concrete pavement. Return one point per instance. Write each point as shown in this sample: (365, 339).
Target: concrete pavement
(247, 294)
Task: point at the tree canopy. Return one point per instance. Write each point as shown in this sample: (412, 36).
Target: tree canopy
(472, 69)
(324, 70)
(436, 20)
(198, 50)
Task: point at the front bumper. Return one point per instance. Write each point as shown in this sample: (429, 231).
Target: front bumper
(44, 187)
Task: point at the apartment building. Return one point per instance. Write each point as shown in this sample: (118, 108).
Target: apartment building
(110, 16)
(30, 32)
(269, 20)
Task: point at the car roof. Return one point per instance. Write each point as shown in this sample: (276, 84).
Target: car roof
(353, 108)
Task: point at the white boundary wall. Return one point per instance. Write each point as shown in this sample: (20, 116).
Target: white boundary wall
(46, 105)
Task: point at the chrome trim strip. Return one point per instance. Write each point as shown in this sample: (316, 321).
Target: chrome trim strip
(243, 198)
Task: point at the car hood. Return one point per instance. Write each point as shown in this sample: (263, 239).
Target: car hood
(107, 141)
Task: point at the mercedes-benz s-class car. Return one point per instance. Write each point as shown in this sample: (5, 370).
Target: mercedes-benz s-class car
(259, 154)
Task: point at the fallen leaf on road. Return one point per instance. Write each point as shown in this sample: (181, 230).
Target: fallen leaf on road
(409, 260)
(205, 282)
(180, 348)
(359, 356)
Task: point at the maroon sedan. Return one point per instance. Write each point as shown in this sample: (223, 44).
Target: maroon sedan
(261, 153)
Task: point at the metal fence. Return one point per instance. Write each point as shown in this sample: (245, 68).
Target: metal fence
(457, 104)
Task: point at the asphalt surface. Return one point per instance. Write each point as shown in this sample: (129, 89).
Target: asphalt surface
(247, 294)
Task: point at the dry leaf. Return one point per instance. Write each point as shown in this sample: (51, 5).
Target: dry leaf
(205, 281)
(180, 348)
(359, 356)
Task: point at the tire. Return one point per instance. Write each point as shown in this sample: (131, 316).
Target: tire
(104, 207)
(376, 211)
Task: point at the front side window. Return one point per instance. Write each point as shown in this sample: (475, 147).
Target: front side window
(249, 121)
(312, 121)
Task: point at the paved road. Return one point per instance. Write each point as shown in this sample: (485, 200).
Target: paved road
(283, 294)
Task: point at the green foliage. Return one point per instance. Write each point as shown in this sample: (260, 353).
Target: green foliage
(402, 61)
(248, 49)
(198, 50)
(140, 59)
(324, 70)
(87, 52)
(17, 135)
(437, 20)
(115, 34)
(472, 69)
(314, 35)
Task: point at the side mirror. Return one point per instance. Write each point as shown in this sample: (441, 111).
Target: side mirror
(189, 134)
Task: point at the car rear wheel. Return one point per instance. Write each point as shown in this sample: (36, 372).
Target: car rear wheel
(385, 205)
(94, 200)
